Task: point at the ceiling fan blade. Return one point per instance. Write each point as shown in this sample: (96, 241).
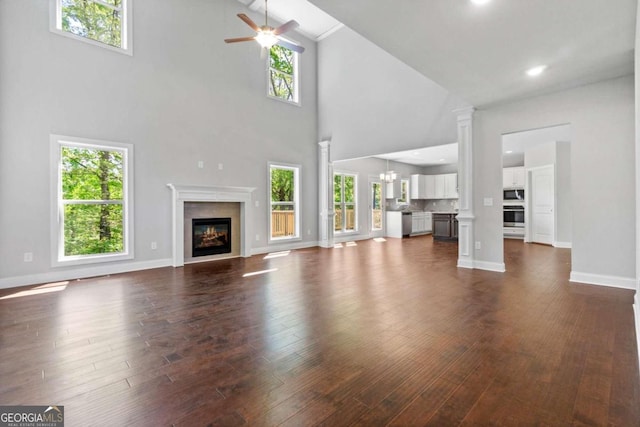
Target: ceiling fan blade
(239, 39)
(287, 26)
(248, 21)
(290, 46)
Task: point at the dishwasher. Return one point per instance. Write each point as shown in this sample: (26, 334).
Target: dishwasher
(406, 223)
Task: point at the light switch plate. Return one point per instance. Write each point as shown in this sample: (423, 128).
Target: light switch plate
(488, 201)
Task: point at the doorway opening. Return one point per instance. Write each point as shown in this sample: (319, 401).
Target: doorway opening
(536, 184)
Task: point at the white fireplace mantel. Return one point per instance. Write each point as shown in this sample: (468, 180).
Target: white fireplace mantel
(192, 193)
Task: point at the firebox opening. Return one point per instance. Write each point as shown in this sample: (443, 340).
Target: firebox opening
(211, 236)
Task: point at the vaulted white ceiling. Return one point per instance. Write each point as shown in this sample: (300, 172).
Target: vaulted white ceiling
(481, 53)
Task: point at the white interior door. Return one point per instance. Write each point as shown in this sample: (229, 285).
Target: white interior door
(542, 205)
(376, 211)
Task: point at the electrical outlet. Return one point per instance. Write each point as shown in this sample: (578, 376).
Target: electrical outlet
(257, 237)
(309, 232)
(200, 164)
(28, 256)
(154, 245)
(257, 204)
(478, 245)
(220, 166)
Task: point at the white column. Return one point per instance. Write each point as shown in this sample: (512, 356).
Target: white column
(465, 187)
(325, 181)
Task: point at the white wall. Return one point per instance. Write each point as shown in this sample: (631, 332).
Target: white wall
(636, 305)
(602, 168)
(371, 103)
(564, 210)
(183, 96)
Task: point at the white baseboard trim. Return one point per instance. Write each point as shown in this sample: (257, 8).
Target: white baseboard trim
(489, 266)
(81, 273)
(603, 280)
(636, 313)
(565, 245)
(481, 265)
(284, 247)
(465, 263)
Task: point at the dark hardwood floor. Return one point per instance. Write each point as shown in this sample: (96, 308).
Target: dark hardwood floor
(375, 334)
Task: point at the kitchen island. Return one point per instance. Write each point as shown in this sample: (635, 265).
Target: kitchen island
(445, 226)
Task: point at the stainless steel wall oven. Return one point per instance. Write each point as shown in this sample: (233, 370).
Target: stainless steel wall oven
(513, 216)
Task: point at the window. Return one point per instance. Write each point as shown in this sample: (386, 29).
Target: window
(284, 189)
(92, 213)
(404, 192)
(344, 198)
(283, 74)
(105, 23)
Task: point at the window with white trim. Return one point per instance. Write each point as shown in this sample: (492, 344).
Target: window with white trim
(404, 193)
(92, 214)
(345, 201)
(106, 23)
(284, 190)
(283, 74)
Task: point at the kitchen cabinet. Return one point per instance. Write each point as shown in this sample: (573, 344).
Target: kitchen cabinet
(393, 189)
(417, 187)
(421, 222)
(443, 186)
(430, 186)
(398, 224)
(445, 226)
(439, 183)
(451, 186)
(513, 177)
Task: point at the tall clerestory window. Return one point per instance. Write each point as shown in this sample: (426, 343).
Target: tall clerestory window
(92, 214)
(106, 23)
(283, 74)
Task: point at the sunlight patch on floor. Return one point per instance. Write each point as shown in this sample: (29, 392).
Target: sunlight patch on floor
(277, 254)
(337, 246)
(255, 273)
(379, 239)
(42, 289)
(352, 244)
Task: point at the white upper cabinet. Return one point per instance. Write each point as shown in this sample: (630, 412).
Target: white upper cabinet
(394, 189)
(417, 184)
(451, 186)
(429, 186)
(439, 193)
(434, 186)
(513, 177)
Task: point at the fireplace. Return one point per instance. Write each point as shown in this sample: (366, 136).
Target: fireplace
(211, 236)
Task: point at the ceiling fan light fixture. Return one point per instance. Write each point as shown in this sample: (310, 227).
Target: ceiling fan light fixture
(266, 38)
(536, 71)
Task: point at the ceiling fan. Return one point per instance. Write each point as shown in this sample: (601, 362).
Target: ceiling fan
(268, 36)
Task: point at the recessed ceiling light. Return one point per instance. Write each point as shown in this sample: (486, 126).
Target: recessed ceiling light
(416, 153)
(442, 160)
(536, 71)
(509, 151)
(480, 2)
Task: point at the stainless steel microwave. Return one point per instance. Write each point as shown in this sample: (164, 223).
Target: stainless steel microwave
(513, 195)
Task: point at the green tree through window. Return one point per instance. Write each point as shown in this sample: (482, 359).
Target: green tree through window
(344, 198)
(282, 73)
(101, 21)
(92, 201)
(284, 202)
